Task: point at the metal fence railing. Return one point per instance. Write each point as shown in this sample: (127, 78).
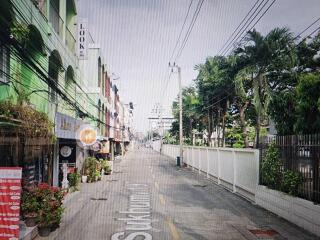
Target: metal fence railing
(299, 153)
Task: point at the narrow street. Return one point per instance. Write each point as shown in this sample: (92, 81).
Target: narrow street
(183, 205)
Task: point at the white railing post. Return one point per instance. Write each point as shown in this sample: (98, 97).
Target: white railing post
(192, 158)
(234, 170)
(257, 160)
(199, 156)
(207, 162)
(219, 166)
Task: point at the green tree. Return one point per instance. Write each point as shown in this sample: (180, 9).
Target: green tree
(216, 90)
(190, 114)
(308, 98)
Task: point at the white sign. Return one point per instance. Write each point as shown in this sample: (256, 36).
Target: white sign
(82, 40)
(66, 126)
(10, 173)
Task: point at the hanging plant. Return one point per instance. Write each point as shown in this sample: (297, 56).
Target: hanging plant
(32, 123)
(20, 32)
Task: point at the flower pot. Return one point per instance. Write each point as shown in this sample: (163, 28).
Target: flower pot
(54, 226)
(84, 178)
(31, 221)
(44, 231)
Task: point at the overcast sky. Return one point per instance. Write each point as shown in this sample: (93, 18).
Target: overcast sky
(137, 38)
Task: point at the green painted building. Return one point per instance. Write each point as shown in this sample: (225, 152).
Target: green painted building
(39, 71)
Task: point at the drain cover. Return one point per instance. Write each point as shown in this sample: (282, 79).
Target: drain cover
(99, 199)
(264, 233)
(199, 185)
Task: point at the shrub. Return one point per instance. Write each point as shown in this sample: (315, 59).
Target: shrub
(74, 179)
(51, 209)
(271, 168)
(89, 168)
(105, 165)
(291, 181)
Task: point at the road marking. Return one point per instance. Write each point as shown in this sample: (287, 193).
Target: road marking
(162, 200)
(157, 185)
(173, 230)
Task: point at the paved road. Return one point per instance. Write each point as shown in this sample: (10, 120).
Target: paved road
(147, 197)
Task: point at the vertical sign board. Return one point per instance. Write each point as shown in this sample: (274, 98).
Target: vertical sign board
(10, 192)
(83, 35)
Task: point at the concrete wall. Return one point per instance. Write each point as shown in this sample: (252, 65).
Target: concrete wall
(299, 211)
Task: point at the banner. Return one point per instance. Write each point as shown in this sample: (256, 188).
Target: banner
(82, 40)
(10, 194)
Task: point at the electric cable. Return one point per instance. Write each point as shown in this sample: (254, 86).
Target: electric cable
(224, 45)
(184, 23)
(193, 21)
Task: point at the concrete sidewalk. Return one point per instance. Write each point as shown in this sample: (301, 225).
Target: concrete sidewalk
(178, 204)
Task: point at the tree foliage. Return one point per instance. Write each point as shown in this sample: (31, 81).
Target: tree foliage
(267, 77)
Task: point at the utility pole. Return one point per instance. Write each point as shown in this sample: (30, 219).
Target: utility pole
(180, 111)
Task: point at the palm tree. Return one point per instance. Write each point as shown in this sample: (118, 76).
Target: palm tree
(265, 57)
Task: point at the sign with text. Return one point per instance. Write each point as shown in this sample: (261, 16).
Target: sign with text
(82, 40)
(10, 193)
(66, 126)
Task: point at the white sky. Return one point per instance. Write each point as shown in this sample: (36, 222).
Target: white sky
(137, 38)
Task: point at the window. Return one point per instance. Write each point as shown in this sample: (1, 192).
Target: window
(4, 64)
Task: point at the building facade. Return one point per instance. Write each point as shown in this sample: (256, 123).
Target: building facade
(50, 90)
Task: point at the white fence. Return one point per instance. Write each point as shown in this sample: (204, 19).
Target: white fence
(236, 169)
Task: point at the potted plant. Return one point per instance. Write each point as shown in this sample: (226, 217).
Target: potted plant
(45, 220)
(30, 207)
(98, 170)
(105, 166)
(110, 169)
(56, 206)
(86, 170)
(74, 181)
(89, 169)
(50, 210)
(84, 178)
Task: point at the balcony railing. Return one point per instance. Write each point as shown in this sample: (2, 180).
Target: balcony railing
(70, 40)
(55, 19)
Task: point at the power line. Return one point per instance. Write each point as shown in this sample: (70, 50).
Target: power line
(224, 45)
(306, 29)
(167, 78)
(246, 27)
(193, 21)
(25, 56)
(184, 23)
(252, 25)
